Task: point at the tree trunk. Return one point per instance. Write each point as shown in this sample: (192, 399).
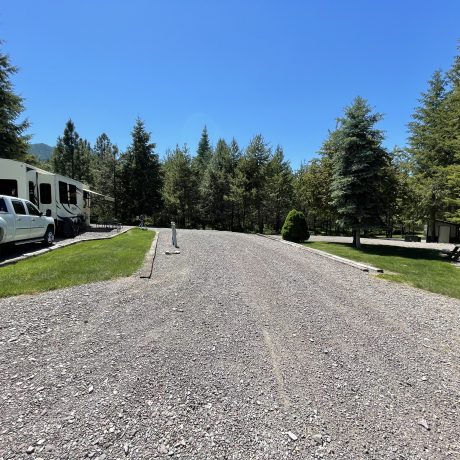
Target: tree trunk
(432, 225)
(354, 238)
(358, 238)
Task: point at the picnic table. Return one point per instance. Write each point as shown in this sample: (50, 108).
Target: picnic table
(453, 254)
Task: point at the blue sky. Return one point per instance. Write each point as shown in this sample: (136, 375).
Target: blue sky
(284, 68)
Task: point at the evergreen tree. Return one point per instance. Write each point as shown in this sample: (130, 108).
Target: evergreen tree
(252, 170)
(313, 191)
(104, 165)
(215, 189)
(64, 156)
(72, 155)
(359, 168)
(237, 187)
(313, 186)
(105, 169)
(179, 187)
(199, 165)
(203, 154)
(279, 189)
(14, 143)
(140, 176)
(431, 147)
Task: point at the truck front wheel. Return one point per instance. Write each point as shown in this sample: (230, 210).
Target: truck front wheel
(48, 239)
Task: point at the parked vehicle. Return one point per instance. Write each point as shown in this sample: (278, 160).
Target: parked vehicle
(22, 222)
(68, 200)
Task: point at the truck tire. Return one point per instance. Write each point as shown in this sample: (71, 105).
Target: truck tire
(48, 239)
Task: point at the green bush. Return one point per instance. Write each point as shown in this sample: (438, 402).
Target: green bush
(295, 227)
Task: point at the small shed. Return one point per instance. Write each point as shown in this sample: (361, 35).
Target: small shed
(445, 232)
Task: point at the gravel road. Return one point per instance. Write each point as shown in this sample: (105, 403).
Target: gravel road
(239, 347)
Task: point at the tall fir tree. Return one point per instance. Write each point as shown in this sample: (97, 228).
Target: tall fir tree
(105, 169)
(64, 156)
(203, 154)
(359, 169)
(215, 188)
(179, 187)
(140, 176)
(430, 148)
(199, 165)
(14, 143)
(253, 169)
(279, 189)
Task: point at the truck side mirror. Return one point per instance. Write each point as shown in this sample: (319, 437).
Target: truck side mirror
(48, 213)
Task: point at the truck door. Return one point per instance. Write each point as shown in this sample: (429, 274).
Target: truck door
(22, 220)
(37, 222)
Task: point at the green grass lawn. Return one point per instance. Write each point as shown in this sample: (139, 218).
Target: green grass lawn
(80, 263)
(422, 268)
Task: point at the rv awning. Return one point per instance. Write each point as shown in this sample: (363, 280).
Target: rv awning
(99, 195)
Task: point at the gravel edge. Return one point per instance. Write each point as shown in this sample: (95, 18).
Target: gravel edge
(343, 260)
(147, 267)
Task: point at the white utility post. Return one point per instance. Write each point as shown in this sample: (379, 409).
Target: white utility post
(174, 235)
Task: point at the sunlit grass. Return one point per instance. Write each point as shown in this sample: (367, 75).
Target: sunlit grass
(423, 268)
(80, 263)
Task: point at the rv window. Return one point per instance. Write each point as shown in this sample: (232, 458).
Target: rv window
(3, 205)
(8, 187)
(73, 194)
(33, 211)
(63, 195)
(45, 193)
(32, 196)
(18, 207)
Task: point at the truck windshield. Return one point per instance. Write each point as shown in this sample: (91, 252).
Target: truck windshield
(2, 205)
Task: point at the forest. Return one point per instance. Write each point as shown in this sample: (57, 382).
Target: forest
(353, 183)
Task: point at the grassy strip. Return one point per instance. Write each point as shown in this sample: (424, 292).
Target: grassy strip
(80, 263)
(422, 268)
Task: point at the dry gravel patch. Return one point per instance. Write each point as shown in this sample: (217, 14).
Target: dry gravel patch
(237, 348)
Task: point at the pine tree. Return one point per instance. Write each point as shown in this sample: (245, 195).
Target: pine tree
(236, 188)
(215, 189)
(105, 172)
(359, 168)
(14, 143)
(179, 187)
(430, 132)
(141, 176)
(64, 156)
(203, 154)
(253, 169)
(199, 165)
(279, 189)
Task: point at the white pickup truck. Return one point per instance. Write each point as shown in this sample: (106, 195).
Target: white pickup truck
(21, 222)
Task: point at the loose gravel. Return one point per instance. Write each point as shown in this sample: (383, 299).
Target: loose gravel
(237, 348)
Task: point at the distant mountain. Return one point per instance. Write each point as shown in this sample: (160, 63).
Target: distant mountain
(42, 151)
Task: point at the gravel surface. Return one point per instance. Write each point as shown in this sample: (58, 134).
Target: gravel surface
(238, 348)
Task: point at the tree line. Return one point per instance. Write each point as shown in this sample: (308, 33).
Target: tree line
(355, 184)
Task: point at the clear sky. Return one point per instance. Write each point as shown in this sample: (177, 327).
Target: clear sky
(284, 69)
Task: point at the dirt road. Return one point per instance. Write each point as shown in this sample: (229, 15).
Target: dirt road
(239, 348)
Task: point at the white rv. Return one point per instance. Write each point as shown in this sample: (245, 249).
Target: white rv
(67, 199)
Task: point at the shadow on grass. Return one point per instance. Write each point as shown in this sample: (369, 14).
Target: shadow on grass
(394, 251)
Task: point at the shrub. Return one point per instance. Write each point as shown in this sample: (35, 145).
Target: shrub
(295, 227)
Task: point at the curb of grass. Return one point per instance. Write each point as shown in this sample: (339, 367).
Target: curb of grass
(147, 267)
(56, 246)
(351, 263)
